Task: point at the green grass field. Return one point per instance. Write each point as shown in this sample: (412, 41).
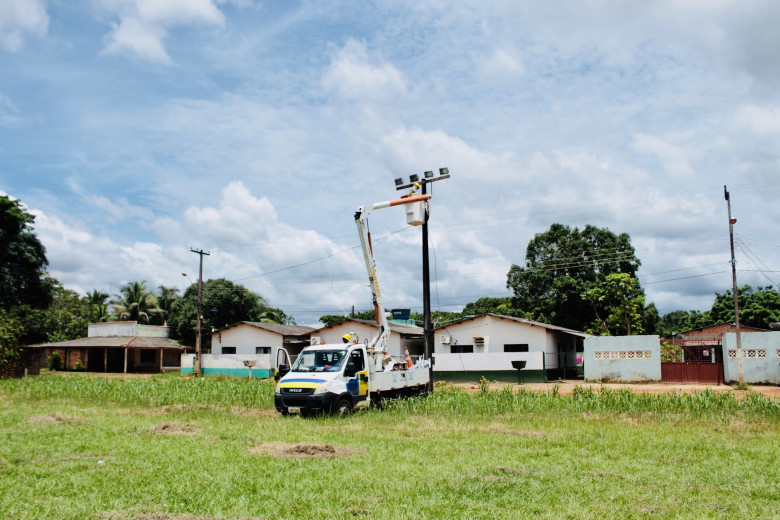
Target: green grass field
(81, 447)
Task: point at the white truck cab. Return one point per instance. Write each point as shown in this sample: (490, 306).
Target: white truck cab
(338, 378)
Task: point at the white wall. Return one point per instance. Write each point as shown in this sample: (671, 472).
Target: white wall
(498, 332)
(365, 334)
(487, 362)
(114, 329)
(245, 338)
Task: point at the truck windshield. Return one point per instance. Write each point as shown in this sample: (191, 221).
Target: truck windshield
(320, 361)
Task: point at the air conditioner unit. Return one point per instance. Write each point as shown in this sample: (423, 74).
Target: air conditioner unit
(315, 340)
(480, 341)
(445, 339)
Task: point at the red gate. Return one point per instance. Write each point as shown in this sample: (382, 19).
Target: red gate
(692, 372)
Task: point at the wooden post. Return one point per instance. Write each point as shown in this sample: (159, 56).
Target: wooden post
(125, 360)
(161, 361)
(105, 359)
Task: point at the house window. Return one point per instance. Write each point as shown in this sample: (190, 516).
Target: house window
(228, 350)
(262, 350)
(462, 349)
(516, 347)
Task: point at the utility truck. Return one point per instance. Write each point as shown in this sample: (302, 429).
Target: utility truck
(339, 377)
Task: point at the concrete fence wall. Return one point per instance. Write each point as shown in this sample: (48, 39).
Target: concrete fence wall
(760, 358)
(622, 359)
(228, 365)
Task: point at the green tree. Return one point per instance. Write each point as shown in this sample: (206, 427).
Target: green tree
(98, 306)
(335, 319)
(136, 303)
(505, 306)
(224, 303)
(22, 259)
(618, 303)
(561, 265)
(165, 298)
(10, 333)
(757, 307)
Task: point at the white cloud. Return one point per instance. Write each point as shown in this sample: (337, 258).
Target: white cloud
(143, 25)
(352, 76)
(21, 17)
(675, 158)
(759, 119)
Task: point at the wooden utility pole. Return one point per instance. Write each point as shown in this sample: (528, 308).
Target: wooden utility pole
(197, 368)
(733, 221)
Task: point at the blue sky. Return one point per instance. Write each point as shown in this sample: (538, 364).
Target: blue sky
(138, 129)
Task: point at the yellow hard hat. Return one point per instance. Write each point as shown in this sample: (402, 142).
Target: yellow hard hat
(347, 338)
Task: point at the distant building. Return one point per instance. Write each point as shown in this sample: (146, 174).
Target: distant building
(122, 346)
(495, 346)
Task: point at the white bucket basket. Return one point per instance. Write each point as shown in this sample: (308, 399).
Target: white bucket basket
(415, 213)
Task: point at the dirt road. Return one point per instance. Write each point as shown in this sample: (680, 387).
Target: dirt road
(567, 387)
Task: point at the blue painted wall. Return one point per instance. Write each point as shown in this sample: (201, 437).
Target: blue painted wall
(756, 370)
(622, 359)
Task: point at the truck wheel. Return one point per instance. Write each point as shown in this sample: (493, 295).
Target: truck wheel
(343, 407)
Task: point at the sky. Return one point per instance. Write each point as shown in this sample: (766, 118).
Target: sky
(137, 131)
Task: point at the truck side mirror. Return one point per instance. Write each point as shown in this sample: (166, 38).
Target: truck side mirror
(283, 370)
(350, 370)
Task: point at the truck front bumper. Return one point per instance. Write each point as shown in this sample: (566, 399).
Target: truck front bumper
(306, 404)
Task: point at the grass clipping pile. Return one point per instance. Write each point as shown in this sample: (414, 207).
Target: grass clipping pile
(303, 450)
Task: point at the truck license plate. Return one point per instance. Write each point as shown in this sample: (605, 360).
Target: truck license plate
(293, 409)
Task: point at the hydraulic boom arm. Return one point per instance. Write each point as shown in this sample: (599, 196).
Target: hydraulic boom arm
(379, 342)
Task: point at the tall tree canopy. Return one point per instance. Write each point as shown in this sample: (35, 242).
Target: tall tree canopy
(562, 265)
(224, 303)
(22, 259)
(135, 302)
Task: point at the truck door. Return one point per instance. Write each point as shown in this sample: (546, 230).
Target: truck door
(357, 375)
(282, 364)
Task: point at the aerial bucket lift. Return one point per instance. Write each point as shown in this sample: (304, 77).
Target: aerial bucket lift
(416, 206)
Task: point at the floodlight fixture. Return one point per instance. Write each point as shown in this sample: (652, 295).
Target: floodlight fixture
(399, 181)
(414, 177)
(428, 174)
(444, 171)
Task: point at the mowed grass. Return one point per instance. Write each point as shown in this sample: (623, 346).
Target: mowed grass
(82, 447)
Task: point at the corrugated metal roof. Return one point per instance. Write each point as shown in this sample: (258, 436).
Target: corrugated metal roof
(278, 328)
(401, 329)
(114, 342)
(520, 320)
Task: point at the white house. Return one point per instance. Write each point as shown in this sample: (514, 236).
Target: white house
(250, 337)
(401, 336)
(487, 345)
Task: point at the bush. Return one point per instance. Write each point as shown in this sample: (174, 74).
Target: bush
(55, 361)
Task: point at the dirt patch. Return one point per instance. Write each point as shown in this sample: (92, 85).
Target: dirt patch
(173, 428)
(55, 418)
(304, 451)
(568, 386)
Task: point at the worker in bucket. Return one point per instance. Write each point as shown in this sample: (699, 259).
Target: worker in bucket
(346, 338)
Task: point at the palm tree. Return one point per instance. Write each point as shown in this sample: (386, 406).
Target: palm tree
(136, 303)
(166, 297)
(98, 309)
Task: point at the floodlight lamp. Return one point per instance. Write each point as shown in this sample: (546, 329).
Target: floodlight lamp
(399, 181)
(444, 171)
(414, 178)
(428, 174)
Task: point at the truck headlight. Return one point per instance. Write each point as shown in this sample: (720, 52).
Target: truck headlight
(323, 388)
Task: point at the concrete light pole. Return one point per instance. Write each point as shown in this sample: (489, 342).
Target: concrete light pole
(733, 221)
(197, 368)
(444, 173)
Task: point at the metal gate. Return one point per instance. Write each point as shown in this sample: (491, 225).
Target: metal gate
(692, 372)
